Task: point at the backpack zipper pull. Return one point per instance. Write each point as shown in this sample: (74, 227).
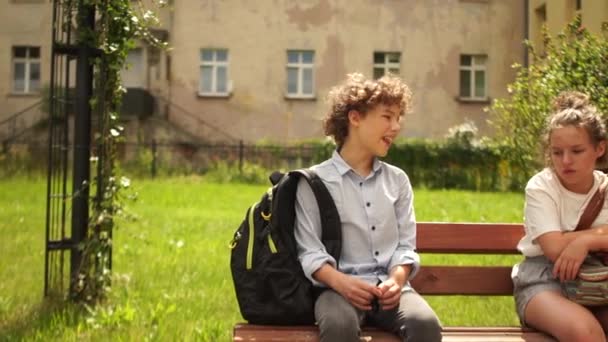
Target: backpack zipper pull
(235, 239)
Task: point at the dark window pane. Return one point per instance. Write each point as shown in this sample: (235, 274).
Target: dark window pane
(19, 51)
(378, 72)
(307, 81)
(222, 55)
(34, 52)
(293, 56)
(19, 77)
(206, 79)
(394, 71)
(34, 71)
(221, 80)
(465, 60)
(307, 57)
(207, 55)
(465, 83)
(378, 58)
(480, 83)
(292, 81)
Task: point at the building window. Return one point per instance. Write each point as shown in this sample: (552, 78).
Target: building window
(473, 77)
(214, 73)
(132, 75)
(26, 69)
(300, 74)
(386, 62)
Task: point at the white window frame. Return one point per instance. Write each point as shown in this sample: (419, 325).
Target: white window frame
(300, 66)
(472, 69)
(27, 61)
(386, 65)
(214, 64)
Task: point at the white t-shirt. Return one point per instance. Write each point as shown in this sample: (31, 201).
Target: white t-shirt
(550, 207)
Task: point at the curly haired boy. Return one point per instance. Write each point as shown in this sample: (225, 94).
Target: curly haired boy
(375, 202)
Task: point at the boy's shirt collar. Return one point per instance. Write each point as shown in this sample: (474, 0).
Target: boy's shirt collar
(343, 166)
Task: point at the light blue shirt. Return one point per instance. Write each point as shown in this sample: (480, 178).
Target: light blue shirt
(378, 221)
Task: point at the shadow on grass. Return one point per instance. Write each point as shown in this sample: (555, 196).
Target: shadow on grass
(48, 318)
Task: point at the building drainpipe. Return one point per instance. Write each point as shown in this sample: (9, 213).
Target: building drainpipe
(526, 31)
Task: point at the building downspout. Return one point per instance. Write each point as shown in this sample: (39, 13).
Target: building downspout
(526, 31)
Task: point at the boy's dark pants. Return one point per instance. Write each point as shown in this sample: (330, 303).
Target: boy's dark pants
(412, 320)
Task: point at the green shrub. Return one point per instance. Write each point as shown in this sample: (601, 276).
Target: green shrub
(574, 60)
(223, 172)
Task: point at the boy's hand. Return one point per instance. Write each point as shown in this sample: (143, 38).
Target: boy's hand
(391, 293)
(357, 292)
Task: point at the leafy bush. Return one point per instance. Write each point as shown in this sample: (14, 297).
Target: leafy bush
(456, 164)
(574, 60)
(223, 172)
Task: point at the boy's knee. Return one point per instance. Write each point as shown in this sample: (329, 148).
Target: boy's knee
(339, 328)
(427, 329)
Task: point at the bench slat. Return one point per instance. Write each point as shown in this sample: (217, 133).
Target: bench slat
(263, 333)
(469, 238)
(464, 280)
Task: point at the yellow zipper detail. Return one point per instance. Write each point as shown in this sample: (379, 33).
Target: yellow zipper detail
(273, 248)
(250, 244)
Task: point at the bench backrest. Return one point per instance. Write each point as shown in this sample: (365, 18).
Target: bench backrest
(466, 238)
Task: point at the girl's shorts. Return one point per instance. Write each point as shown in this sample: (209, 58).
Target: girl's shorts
(530, 277)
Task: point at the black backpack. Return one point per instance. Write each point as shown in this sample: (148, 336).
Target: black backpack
(270, 286)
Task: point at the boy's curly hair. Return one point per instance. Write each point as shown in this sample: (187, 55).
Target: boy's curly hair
(361, 94)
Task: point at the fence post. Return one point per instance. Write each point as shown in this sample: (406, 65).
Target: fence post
(241, 152)
(82, 146)
(154, 160)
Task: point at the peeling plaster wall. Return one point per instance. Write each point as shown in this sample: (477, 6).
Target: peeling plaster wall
(430, 34)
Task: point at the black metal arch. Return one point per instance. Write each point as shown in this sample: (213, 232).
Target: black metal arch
(70, 144)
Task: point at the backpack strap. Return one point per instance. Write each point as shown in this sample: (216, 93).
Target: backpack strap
(594, 206)
(331, 225)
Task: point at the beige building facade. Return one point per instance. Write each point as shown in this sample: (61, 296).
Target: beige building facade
(556, 14)
(260, 70)
(282, 57)
(25, 53)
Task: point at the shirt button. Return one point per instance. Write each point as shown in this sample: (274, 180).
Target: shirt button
(360, 183)
(376, 253)
(368, 204)
(373, 227)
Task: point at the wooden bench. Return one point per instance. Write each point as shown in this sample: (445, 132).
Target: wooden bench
(446, 238)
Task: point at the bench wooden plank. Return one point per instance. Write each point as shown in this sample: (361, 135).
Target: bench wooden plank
(469, 238)
(489, 334)
(464, 280)
(263, 333)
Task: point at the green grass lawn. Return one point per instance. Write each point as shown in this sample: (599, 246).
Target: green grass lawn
(171, 265)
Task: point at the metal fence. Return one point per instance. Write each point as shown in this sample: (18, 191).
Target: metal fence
(169, 157)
